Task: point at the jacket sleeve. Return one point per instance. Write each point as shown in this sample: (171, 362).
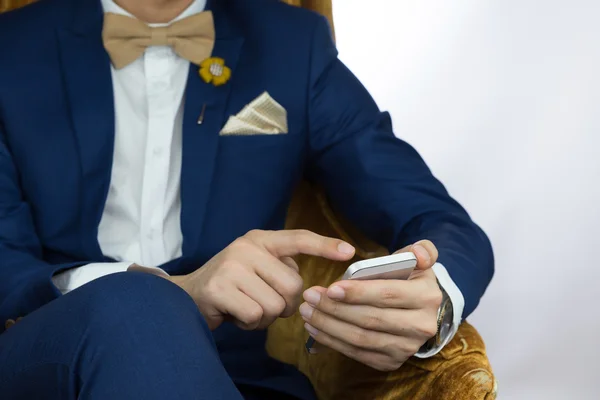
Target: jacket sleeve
(25, 278)
(378, 181)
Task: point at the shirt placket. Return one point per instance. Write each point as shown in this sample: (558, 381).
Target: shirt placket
(157, 157)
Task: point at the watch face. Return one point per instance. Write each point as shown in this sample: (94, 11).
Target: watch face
(445, 329)
(447, 320)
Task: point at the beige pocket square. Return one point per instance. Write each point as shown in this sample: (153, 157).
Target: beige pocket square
(263, 116)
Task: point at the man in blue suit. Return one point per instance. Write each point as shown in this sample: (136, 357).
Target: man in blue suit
(148, 154)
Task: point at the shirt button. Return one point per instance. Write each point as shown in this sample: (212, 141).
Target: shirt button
(157, 151)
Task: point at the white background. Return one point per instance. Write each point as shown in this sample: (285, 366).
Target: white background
(502, 99)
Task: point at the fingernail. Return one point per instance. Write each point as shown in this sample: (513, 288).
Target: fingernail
(311, 329)
(306, 311)
(336, 293)
(312, 297)
(421, 252)
(345, 248)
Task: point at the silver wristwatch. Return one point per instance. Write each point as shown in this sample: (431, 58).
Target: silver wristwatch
(445, 319)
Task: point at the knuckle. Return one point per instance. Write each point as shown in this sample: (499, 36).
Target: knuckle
(292, 287)
(374, 321)
(297, 285)
(414, 349)
(230, 265)
(435, 298)
(428, 329)
(353, 353)
(409, 348)
(254, 315)
(214, 287)
(301, 238)
(254, 234)
(360, 337)
(389, 294)
(303, 233)
(398, 349)
(391, 363)
(291, 263)
(242, 243)
(304, 238)
(275, 308)
(392, 347)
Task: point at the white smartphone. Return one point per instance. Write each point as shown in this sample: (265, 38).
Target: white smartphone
(396, 266)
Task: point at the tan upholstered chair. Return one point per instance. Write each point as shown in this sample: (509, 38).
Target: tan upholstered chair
(460, 371)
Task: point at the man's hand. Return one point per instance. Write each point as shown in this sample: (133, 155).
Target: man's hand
(254, 280)
(380, 323)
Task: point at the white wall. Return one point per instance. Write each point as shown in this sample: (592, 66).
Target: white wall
(502, 98)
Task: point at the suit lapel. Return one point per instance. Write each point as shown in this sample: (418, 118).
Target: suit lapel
(200, 142)
(88, 83)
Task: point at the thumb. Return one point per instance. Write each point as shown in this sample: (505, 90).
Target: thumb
(425, 251)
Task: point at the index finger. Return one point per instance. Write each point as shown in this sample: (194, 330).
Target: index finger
(290, 243)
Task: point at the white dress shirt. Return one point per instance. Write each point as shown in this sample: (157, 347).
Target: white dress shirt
(140, 223)
(141, 219)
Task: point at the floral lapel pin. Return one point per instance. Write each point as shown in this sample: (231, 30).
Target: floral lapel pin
(213, 70)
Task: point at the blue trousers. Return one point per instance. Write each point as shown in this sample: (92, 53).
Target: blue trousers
(124, 336)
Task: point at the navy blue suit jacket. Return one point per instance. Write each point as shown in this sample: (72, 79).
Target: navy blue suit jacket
(57, 134)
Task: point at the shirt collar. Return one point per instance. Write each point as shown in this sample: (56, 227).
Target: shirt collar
(195, 8)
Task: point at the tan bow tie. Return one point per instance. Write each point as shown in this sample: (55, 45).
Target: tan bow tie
(126, 39)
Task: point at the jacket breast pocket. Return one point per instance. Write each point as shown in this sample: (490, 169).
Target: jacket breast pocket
(259, 160)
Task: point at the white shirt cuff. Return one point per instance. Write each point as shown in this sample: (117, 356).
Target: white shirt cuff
(458, 305)
(74, 278)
